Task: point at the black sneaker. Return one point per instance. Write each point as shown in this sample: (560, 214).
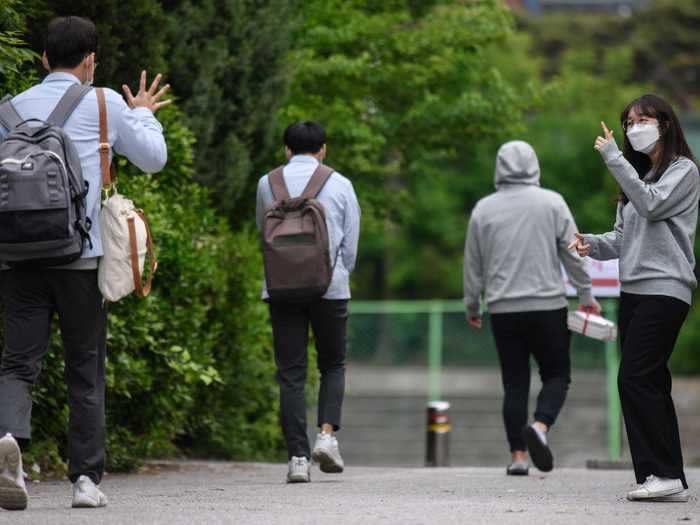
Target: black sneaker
(538, 449)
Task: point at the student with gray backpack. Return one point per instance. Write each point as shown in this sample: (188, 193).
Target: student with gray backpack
(50, 174)
(309, 220)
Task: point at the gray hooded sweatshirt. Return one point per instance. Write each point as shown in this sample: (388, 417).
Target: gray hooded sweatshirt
(517, 238)
(654, 232)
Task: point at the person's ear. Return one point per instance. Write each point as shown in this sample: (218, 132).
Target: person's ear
(288, 153)
(45, 62)
(322, 153)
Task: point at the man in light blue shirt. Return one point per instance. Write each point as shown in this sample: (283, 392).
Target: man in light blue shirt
(305, 148)
(32, 295)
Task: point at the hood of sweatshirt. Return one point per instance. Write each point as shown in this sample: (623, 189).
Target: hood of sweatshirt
(516, 163)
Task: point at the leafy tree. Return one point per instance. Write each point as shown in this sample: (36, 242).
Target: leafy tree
(403, 88)
(14, 55)
(195, 356)
(225, 60)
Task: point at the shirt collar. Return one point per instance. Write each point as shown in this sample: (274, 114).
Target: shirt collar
(304, 159)
(61, 76)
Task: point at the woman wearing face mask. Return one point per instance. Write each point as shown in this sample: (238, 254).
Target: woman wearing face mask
(653, 237)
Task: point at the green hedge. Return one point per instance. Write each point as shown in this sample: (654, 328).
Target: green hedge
(190, 369)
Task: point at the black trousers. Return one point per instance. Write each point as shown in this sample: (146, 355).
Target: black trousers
(30, 299)
(290, 331)
(545, 336)
(649, 326)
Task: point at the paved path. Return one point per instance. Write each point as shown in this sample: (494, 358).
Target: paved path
(211, 493)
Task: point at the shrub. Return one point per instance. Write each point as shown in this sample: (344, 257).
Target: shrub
(191, 364)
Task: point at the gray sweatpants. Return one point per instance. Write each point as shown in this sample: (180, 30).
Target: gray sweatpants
(30, 298)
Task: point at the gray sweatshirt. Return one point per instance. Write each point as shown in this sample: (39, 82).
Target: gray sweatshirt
(654, 232)
(517, 238)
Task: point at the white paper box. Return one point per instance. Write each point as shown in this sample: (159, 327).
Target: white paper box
(592, 325)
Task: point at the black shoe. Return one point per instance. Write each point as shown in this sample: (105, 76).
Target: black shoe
(538, 449)
(517, 469)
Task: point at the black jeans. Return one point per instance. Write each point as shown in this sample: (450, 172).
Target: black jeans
(290, 331)
(545, 336)
(30, 299)
(649, 326)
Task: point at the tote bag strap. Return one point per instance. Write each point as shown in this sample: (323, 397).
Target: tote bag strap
(141, 289)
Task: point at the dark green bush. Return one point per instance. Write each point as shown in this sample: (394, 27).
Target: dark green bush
(191, 364)
(190, 368)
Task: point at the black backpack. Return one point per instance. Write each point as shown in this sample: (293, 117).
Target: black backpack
(42, 191)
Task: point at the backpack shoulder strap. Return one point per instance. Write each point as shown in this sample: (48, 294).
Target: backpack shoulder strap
(9, 118)
(69, 101)
(318, 181)
(277, 184)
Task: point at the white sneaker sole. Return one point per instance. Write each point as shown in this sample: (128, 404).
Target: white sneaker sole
(12, 495)
(656, 495)
(87, 503)
(326, 461)
(298, 479)
(680, 497)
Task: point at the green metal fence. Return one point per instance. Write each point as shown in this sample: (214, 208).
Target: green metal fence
(406, 332)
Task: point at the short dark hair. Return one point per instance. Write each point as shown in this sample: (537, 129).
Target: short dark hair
(69, 40)
(304, 137)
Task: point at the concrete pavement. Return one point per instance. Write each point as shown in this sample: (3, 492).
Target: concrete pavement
(211, 493)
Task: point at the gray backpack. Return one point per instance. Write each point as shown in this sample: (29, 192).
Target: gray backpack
(295, 241)
(42, 191)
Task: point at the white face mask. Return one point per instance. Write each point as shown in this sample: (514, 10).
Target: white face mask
(644, 137)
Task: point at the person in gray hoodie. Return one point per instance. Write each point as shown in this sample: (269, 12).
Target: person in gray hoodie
(516, 242)
(653, 237)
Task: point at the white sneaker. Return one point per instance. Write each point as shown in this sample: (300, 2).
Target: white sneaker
(327, 454)
(87, 495)
(299, 470)
(13, 492)
(655, 487)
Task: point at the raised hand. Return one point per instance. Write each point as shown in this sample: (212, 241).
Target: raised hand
(147, 98)
(602, 141)
(579, 243)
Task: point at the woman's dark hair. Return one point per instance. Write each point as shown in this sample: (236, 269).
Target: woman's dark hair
(69, 40)
(304, 137)
(673, 143)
